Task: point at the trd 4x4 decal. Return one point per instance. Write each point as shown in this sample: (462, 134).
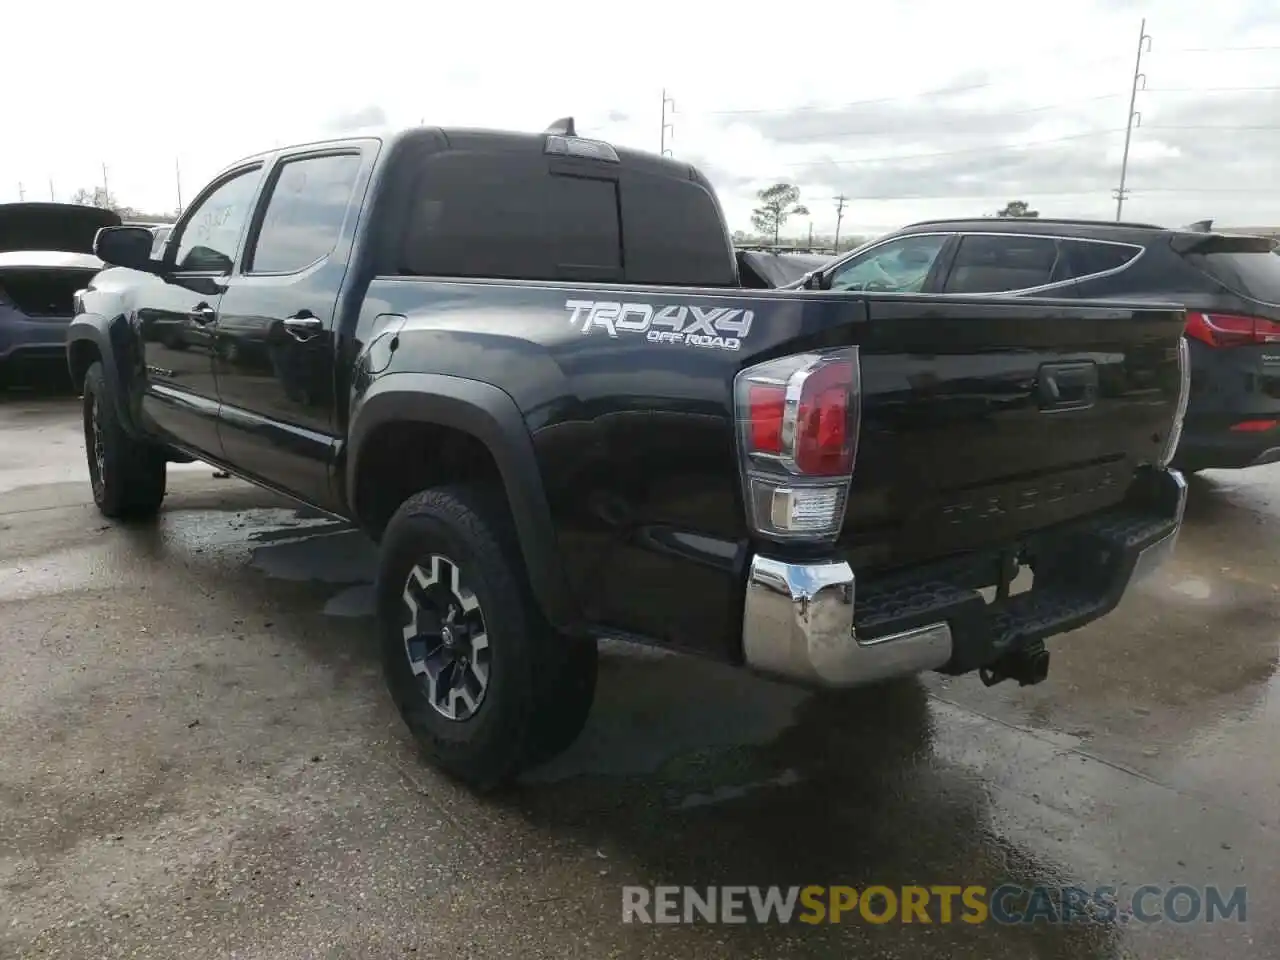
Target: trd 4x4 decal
(720, 328)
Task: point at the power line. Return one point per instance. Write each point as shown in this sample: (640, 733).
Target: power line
(897, 98)
(1044, 193)
(1208, 89)
(969, 119)
(966, 88)
(1211, 126)
(955, 153)
(834, 107)
(1218, 49)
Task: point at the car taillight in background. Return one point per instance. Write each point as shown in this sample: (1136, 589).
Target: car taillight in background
(1231, 330)
(798, 419)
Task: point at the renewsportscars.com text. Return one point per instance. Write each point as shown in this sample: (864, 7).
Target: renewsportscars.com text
(942, 904)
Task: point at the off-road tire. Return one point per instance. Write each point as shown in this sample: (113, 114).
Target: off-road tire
(540, 684)
(127, 475)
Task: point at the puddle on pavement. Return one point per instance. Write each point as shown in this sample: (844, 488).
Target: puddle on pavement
(653, 707)
(1193, 587)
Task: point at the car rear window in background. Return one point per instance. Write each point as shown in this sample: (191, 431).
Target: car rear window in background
(494, 215)
(1255, 274)
(1088, 257)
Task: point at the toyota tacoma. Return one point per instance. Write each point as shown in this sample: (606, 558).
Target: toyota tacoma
(526, 364)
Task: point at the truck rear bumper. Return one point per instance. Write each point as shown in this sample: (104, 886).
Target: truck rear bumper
(817, 623)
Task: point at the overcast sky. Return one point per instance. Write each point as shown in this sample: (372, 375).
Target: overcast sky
(912, 109)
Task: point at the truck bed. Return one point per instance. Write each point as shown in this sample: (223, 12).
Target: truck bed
(627, 392)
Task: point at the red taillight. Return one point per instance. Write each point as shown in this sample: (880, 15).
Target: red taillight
(1231, 330)
(798, 422)
(1254, 426)
(822, 447)
(766, 404)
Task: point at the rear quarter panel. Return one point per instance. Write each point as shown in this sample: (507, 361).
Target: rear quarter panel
(631, 415)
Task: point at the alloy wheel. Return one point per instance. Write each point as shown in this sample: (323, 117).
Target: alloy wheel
(445, 638)
(98, 446)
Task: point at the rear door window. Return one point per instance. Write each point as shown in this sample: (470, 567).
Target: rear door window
(494, 215)
(305, 213)
(1254, 274)
(990, 263)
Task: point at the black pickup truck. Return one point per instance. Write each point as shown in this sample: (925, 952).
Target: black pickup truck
(527, 366)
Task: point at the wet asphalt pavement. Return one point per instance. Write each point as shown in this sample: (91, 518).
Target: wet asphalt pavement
(198, 759)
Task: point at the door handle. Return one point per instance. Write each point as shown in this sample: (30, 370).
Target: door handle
(1067, 386)
(202, 313)
(303, 326)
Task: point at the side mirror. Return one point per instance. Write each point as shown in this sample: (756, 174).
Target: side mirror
(817, 280)
(126, 247)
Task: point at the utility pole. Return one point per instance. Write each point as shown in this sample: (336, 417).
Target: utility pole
(1135, 118)
(839, 217)
(22, 191)
(52, 198)
(177, 176)
(106, 191)
(666, 101)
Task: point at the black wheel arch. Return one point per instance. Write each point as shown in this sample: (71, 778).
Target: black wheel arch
(88, 341)
(492, 417)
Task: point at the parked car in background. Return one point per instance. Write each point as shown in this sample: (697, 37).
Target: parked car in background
(765, 269)
(46, 255)
(1229, 284)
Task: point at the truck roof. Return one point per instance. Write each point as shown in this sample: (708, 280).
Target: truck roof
(490, 139)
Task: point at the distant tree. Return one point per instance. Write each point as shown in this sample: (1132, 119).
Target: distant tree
(1017, 208)
(99, 197)
(777, 205)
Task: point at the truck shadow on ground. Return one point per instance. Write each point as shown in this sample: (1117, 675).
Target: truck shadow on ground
(44, 382)
(691, 773)
(848, 792)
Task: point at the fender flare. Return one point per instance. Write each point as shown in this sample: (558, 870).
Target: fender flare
(490, 415)
(89, 328)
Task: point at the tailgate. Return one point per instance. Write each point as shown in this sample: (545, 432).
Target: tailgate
(982, 420)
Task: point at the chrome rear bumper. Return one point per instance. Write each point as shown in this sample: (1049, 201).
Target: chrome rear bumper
(799, 618)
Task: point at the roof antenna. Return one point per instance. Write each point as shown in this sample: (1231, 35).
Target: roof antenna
(563, 127)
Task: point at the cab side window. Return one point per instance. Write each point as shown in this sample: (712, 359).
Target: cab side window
(897, 266)
(211, 233)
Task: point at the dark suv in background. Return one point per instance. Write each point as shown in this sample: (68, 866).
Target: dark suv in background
(1229, 284)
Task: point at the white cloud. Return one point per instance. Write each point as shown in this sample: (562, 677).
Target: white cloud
(151, 85)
